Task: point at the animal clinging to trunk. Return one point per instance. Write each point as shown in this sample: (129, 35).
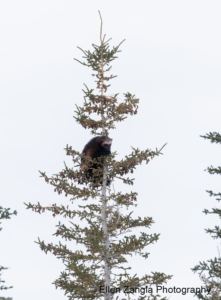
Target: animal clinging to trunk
(97, 147)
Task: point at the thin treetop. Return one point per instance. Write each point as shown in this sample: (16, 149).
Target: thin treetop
(103, 225)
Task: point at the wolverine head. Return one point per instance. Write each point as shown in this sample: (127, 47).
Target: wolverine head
(106, 143)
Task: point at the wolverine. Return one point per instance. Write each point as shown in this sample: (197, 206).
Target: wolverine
(95, 148)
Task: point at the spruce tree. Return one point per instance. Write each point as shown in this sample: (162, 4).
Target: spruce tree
(210, 271)
(5, 214)
(102, 265)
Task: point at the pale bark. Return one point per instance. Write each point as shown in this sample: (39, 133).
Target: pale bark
(104, 187)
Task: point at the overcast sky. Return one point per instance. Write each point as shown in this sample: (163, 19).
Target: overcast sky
(171, 60)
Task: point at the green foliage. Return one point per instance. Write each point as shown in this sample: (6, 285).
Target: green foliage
(101, 226)
(210, 271)
(5, 214)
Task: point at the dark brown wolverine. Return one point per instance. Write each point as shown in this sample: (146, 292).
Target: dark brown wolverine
(95, 148)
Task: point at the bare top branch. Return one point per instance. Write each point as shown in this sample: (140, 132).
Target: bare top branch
(101, 28)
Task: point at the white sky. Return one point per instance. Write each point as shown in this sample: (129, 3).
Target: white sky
(171, 60)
